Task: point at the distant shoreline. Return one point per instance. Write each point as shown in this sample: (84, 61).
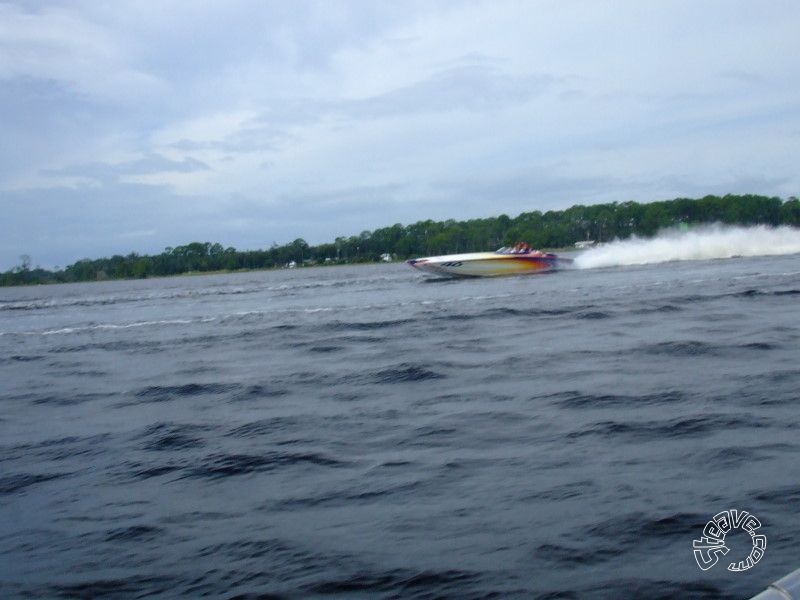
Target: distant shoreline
(558, 230)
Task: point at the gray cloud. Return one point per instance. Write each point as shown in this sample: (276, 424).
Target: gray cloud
(475, 88)
(110, 173)
(474, 84)
(248, 122)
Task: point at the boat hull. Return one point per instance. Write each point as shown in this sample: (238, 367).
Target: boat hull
(488, 264)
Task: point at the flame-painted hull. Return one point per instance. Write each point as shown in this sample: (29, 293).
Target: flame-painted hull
(488, 264)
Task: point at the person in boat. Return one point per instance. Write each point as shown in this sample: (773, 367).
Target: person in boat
(521, 248)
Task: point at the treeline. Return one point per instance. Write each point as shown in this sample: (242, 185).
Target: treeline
(551, 229)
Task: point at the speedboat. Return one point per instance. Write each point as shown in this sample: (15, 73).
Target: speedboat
(508, 260)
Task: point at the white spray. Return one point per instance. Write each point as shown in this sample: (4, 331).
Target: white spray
(700, 243)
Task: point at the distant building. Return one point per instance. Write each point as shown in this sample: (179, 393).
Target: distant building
(585, 244)
(386, 257)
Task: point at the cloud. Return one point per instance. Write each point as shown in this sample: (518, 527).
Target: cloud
(470, 87)
(62, 46)
(249, 120)
(110, 173)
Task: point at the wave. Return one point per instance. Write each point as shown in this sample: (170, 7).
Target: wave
(11, 484)
(219, 466)
(94, 301)
(109, 588)
(228, 319)
(700, 243)
(111, 326)
(575, 399)
(699, 425)
(399, 583)
(403, 373)
(168, 392)
(133, 533)
(221, 289)
(174, 436)
(346, 498)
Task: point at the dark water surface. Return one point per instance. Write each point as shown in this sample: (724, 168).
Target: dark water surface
(359, 431)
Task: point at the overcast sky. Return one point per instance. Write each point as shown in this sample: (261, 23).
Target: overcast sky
(131, 126)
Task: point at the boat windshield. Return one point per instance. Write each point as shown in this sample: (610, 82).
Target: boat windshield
(518, 248)
(524, 249)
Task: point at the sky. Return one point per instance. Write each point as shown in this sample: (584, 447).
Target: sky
(130, 126)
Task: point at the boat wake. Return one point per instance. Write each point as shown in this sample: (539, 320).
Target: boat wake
(700, 243)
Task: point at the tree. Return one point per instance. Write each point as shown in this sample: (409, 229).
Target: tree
(555, 228)
(24, 263)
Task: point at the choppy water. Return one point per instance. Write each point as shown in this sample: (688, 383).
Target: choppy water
(360, 431)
